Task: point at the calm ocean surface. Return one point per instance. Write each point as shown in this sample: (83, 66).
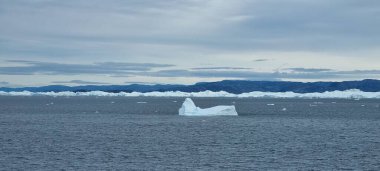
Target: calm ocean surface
(142, 133)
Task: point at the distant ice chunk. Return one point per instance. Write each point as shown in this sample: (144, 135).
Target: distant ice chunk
(189, 109)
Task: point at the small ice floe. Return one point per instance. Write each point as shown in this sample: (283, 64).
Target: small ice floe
(112, 102)
(363, 105)
(357, 99)
(51, 103)
(189, 109)
(233, 102)
(142, 102)
(333, 102)
(318, 102)
(284, 109)
(270, 104)
(174, 101)
(96, 111)
(312, 105)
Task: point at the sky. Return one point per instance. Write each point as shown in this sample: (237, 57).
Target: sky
(80, 42)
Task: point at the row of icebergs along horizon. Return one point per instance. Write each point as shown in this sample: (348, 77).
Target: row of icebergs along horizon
(354, 93)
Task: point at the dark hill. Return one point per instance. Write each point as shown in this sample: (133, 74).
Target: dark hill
(231, 86)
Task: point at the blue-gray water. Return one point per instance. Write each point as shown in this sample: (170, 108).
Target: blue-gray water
(118, 133)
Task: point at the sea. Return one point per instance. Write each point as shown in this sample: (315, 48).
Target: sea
(146, 133)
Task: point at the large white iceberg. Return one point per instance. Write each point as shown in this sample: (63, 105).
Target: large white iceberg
(189, 109)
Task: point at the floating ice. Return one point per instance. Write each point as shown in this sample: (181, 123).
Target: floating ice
(347, 94)
(189, 109)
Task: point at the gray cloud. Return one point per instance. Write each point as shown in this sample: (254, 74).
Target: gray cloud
(235, 74)
(312, 70)
(252, 75)
(260, 60)
(361, 72)
(4, 83)
(79, 82)
(140, 82)
(52, 68)
(220, 68)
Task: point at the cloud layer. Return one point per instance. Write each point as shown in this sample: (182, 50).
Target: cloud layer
(81, 82)
(154, 70)
(54, 68)
(220, 39)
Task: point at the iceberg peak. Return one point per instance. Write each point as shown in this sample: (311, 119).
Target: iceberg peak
(189, 109)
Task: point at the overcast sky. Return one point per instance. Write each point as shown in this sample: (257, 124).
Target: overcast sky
(76, 42)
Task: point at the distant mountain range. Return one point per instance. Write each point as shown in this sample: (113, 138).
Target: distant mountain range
(231, 86)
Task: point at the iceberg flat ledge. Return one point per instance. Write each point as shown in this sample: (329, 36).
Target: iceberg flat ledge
(347, 94)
